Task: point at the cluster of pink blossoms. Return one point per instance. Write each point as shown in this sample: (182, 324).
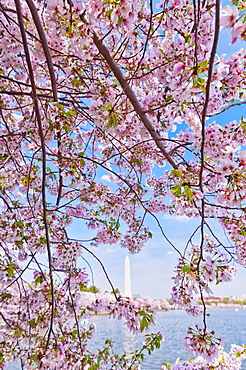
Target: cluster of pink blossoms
(222, 361)
(199, 341)
(194, 274)
(108, 116)
(230, 19)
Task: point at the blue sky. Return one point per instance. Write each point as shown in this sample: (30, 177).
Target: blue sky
(152, 269)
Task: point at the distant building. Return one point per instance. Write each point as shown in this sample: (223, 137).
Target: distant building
(211, 299)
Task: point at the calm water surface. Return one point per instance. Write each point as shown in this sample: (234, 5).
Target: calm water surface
(228, 324)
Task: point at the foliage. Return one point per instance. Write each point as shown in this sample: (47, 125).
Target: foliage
(115, 291)
(92, 289)
(106, 110)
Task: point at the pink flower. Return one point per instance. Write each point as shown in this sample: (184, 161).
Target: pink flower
(238, 30)
(201, 342)
(225, 166)
(229, 16)
(242, 157)
(230, 150)
(178, 68)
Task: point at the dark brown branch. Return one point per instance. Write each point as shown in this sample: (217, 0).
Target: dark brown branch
(43, 149)
(132, 97)
(226, 108)
(45, 46)
(203, 123)
(210, 72)
(203, 118)
(22, 93)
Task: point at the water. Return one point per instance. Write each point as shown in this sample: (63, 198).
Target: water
(228, 324)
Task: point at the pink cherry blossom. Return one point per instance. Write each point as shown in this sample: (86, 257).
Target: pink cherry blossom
(229, 16)
(111, 117)
(239, 29)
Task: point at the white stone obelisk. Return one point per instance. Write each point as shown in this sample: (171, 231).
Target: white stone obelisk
(128, 290)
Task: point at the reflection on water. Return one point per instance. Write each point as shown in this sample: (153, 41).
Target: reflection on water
(229, 324)
(129, 341)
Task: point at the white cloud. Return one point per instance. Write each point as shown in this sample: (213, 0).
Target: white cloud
(106, 178)
(109, 250)
(181, 218)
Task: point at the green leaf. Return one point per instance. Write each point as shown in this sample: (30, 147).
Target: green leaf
(143, 324)
(109, 12)
(60, 106)
(188, 192)
(176, 190)
(69, 31)
(75, 81)
(137, 161)
(1, 357)
(109, 108)
(94, 367)
(120, 20)
(188, 39)
(68, 114)
(39, 280)
(32, 323)
(142, 313)
(6, 295)
(151, 319)
(177, 173)
(66, 128)
(10, 270)
(199, 82)
(112, 122)
(169, 98)
(19, 223)
(203, 64)
(82, 162)
(186, 268)
(18, 332)
(43, 239)
(167, 364)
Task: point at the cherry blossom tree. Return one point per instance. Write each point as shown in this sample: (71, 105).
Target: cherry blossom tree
(130, 90)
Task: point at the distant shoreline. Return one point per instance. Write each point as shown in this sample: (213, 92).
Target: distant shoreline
(232, 306)
(214, 306)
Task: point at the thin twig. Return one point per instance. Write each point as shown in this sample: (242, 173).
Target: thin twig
(104, 270)
(45, 46)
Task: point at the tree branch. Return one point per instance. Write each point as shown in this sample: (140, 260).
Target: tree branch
(43, 149)
(45, 46)
(132, 97)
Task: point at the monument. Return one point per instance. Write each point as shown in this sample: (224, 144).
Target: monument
(128, 290)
